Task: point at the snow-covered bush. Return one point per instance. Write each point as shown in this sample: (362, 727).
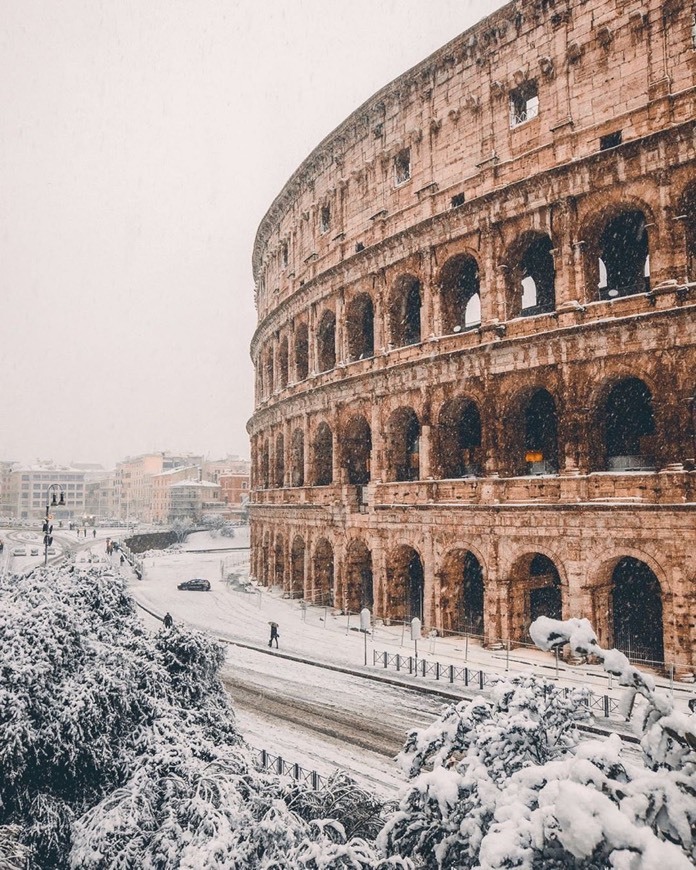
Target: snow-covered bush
(119, 749)
(506, 782)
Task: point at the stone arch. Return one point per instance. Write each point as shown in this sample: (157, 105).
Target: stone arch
(283, 357)
(297, 567)
(323, 574)
(403, 445)
(322, 456)
(462, 592)
(531, 275)
(279, 462)
(269, 374)
(459, 284)
(356, 447)
(624, 421)
(531, 435)
(279, 562)
(297, 458)
(459, 438)
(301, 351)
(360, 327)
(405, 583)
(637, 611)
(359, 590)
(535, 588)
(617, 250)
(687, 213)
(405, 311)
(265, 465)
(326, 341)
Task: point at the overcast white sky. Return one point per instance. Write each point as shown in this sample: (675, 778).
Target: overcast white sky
(141, 142)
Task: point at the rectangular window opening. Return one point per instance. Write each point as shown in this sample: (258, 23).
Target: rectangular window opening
(457, 200)
(325, 219)
(402, 166)
(611, 140)
(524, 103)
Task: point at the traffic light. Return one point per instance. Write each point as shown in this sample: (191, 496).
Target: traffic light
(48, 540)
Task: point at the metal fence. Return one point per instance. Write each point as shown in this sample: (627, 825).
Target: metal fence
(276, 763)
(475, 678)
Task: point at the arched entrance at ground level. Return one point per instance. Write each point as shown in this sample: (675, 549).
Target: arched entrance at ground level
(279, 562)
(534, 590)
(636, 605)
(459, 439)
(358, 573)
(461, 597)
(297, 568)
(628, 423)
(356, 440)
(405, 584)
(323, 574)
(264, 574)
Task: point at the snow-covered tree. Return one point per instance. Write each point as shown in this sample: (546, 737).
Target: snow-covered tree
(119, 749)
(505, 781)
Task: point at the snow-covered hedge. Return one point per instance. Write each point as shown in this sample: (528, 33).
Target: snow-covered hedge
(119, 749)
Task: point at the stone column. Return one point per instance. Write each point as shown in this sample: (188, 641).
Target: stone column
(341, 349)
(424, 457)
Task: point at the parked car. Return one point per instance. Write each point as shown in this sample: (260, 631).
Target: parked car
(51, 551)
(196, 584)
(34, 551)
(19, 551)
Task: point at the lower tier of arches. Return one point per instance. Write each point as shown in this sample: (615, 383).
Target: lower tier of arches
(490, 572)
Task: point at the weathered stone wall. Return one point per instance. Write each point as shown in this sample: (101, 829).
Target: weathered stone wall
(403, 361)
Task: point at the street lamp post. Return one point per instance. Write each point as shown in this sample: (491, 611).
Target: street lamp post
(51, 501)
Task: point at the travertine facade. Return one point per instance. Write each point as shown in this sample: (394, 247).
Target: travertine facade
(475, 355)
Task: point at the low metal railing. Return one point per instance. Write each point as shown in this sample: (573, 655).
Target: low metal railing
(268, 761)
(476, 678)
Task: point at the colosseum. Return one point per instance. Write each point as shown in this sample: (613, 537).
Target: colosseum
(475, 351)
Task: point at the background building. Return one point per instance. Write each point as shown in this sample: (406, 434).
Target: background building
(28, 492)
(475, 347)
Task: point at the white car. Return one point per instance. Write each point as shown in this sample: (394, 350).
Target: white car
(19, 551)
(34, 551)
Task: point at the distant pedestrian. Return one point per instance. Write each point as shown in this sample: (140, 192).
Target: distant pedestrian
(123, 558)
(274, 634)
(168, 621)
(94, 533)
(692, 704)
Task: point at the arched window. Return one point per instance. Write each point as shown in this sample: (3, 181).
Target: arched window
(323, 456)
(637, 611)
(459, 286)
(283, 364)
(624, 265)
(459, 439)
(403, 445)
(279, 464)
(323, 591)
(540, 435)
(301, 352)
(265, 466)
(297, 458)
(326, 342)
(356, 441)
(405, 584)
(360, 327)
(628, 422)
(688, 216)
(404, 311)
(359, 592)
(269, 379)
(532, 276)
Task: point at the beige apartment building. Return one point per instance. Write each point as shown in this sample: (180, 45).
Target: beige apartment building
(135, 481)
(30, 489)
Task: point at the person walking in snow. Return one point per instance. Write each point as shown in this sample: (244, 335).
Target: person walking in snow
(274, 634)
(168, 621)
